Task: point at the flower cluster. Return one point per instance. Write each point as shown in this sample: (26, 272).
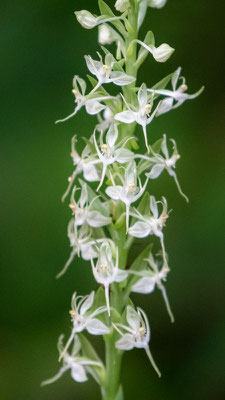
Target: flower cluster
(110, 191)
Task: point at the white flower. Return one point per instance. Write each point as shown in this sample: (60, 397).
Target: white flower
(109, 152)
(106, 271)
(104, 73)
(140, 114)
(82, 210)
(176, 95)
(156, 3)
(73, 362)
(82, 318)
(92, 101)
(138, 333)
(168, 163)
(128, 192)
(82, 164)
(122, 5)
(151, 277)
(151, 224)
(82, 244)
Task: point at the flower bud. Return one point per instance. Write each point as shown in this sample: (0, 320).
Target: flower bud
(105, 36)
(156, 3)
(162, 53)
(122, 5)
(86, 19)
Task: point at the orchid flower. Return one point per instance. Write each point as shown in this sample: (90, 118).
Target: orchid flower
(141, 114)
(110, 152)
(138, 333)
(82, 164)
(104, 73)
(82, 318)
(151, 277)
(106, 271)
(82, 210)
(176, 95)
(92, 101)
(74, 362)
(168, 163)
(82, 244)
(151, 224)
(128, 192)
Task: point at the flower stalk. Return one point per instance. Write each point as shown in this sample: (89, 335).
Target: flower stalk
(111, 200)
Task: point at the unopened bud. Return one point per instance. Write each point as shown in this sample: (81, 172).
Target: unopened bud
(122, 5)
(86, 19)
(156, 3)
(105, 36)
(162, 53)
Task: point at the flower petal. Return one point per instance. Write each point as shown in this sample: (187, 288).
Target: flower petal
(144, 285)
(123, 155)
(114, 192)
(95, 219)
(142, 96)
(121, 275)
(125, 116)
(90, 172)
(165, 105)
(78, 373)
(155, 171)
(121, 79)
(154, 207)
(127, 342)
(96, 327)
(112, 135)
(133, 318)
(87, 303)
(139, 229)
(94, 107)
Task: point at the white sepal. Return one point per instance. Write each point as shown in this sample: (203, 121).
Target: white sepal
(137, 333)
(74, 362)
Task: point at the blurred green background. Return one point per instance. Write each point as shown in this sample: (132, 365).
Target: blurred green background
(42, 47)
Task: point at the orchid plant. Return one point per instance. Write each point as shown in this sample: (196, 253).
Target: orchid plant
(110, 193)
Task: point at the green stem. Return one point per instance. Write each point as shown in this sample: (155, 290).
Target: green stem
(111, 389)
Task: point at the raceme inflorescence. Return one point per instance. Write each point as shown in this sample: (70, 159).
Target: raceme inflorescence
(110, 193)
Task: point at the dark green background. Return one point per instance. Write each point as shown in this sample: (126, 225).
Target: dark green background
(42, 47)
